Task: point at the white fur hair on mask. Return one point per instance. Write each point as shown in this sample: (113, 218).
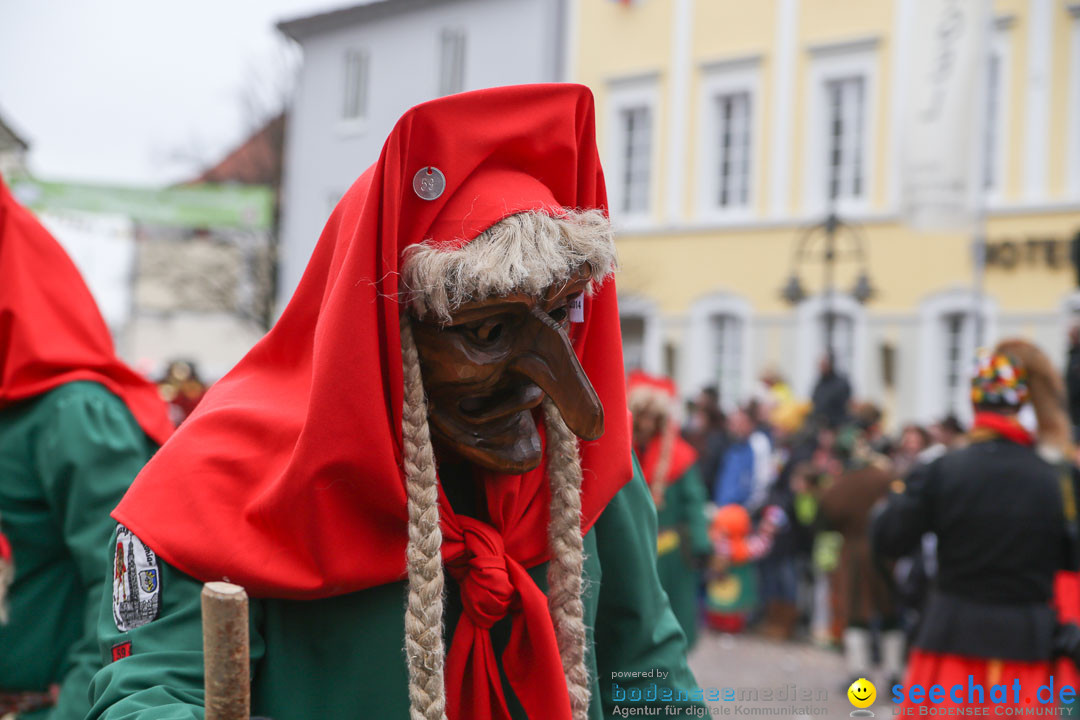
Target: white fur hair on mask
(525, 253)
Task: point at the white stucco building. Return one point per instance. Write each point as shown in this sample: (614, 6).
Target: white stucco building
(364, 65)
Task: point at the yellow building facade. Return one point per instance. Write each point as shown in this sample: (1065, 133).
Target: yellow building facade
(727, 128)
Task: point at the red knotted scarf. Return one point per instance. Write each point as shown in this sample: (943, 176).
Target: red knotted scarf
(51, 332)
(297, 452)
(488, 561)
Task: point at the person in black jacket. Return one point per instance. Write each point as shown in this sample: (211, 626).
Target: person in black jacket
(831, 395)
(1004, 522)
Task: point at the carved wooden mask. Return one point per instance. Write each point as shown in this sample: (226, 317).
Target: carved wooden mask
(488, 368)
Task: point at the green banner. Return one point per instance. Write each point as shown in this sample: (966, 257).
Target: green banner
(222, 206)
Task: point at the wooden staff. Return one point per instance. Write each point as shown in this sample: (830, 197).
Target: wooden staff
(226, 651)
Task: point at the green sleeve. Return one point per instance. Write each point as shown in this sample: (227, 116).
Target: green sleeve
(88, 451)
(693, 511)
(162, 678)
(640, 646)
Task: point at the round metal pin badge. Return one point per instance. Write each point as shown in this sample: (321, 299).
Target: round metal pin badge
(429, 183)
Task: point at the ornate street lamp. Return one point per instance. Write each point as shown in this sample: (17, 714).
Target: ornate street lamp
(829, 241)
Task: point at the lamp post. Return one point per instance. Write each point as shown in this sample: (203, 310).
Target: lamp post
(829, 241)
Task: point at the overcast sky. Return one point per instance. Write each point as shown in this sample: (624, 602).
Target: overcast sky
(137, 91)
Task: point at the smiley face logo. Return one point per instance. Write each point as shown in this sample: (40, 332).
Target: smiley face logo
(862, 693)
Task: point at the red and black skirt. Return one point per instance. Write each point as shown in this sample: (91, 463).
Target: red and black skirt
(995, 678)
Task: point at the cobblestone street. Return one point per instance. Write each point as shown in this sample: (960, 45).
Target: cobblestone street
(789, 680)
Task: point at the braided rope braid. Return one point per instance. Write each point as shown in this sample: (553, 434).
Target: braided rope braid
(645, 399)
(659, 483)
(567, 557)
(424, 648)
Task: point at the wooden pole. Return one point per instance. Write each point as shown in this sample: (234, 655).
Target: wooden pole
(226, 651)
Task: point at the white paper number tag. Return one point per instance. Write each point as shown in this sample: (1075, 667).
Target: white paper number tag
(577, 308)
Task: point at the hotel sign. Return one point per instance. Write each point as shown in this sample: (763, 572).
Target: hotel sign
(1047, 252)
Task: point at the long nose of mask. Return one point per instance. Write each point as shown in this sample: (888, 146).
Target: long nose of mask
(554, 367)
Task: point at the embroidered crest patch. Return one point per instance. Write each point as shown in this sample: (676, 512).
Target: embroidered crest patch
(136, 582)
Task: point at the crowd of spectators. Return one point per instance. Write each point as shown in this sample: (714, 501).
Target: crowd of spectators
(807, 475)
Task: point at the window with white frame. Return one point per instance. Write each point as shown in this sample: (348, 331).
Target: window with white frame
(956, 355)
(956, 363)
(733, 171)
(631, 148)
(727, 138)
(727, 354)
(452, 62)
(717, 347)
(995, 137)
(846, 137)
(840, 129)
(849, 340)
(633, 339)
(355, 105)
(636, 150)
(947, 341)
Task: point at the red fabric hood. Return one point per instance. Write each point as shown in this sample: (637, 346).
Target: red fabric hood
(288, 479)
(683, 456)
(51, 332)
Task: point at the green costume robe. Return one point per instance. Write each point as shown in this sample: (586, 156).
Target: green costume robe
(342, 657)
(66, 458)
(683, 536)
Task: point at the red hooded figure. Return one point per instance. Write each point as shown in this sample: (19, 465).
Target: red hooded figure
(475, 253)
(669, 465)
(51, 331)
(76, 425)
